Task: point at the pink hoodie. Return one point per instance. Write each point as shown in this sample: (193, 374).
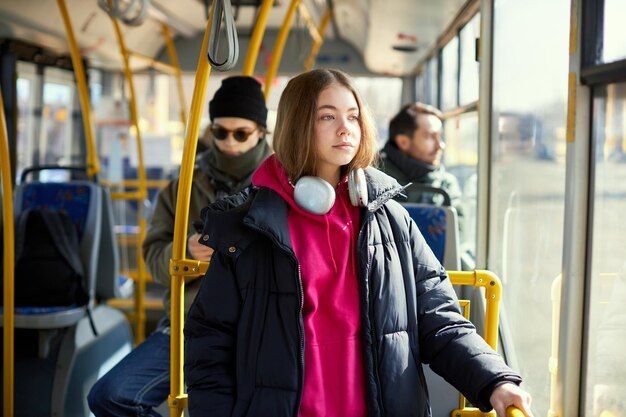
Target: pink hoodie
(325, 245)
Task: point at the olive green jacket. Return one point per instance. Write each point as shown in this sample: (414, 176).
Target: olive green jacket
(157, 246)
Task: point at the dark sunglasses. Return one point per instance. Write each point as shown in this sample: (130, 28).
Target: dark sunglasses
(240, 135)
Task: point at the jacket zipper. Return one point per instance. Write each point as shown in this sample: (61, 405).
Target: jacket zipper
(299, 313)
(301, 335)
(372, 326)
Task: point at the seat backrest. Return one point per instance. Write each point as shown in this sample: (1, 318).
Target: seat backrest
(82, 200)
(109, 283)
(440, 227)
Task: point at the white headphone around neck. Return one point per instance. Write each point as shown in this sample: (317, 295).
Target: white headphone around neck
(317, 196)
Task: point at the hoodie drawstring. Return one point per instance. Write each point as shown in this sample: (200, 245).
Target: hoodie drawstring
(330, 247)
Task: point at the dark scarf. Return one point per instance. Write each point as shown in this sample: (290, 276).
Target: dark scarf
(411, 167)
(232, 173)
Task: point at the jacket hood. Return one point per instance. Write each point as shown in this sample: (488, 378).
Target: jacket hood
(380, 186)
(272, 175)
(261, 204)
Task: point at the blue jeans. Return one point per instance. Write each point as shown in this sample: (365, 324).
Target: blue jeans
(138, 382)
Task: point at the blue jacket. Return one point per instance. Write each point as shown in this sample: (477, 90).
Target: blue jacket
(244, 334)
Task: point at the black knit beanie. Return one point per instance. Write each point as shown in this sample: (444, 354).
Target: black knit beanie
(239, 96)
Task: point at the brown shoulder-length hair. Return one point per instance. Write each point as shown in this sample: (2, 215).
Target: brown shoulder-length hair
(294, 135)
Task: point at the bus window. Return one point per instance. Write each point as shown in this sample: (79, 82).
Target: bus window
(613, 44)
(606, 359)
(468, 84)
(449, 75)
(27, 87)
(56, 122)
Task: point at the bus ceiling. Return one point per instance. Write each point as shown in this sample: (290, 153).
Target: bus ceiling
(364, 37)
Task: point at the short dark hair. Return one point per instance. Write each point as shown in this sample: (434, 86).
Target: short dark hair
(405, 122)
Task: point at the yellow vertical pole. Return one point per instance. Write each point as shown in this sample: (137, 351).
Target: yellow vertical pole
(93, 165)
(257, 36)
(317, 43)
(279, 46)
(493, 294)
(8, 353)
(140, 284)
(177, 399)
(171, 52)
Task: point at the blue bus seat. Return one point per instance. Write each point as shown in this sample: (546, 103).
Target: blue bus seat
(70, 347)
(440, 227)
(82, 201)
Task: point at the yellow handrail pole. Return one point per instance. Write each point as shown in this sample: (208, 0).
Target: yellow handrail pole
(93, 165)
(514, 412)
(177, 399)
(315, 48)
(257, 36)
(493, 294)
(140, 284)
(8, 353)
(171, 52)
(310, 23)
(279, 46)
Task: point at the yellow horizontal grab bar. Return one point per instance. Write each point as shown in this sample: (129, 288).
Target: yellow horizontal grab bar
(156, 64)
(479, 278)
(134, 183)
(129, 303)
(136, 195)
(475, 412)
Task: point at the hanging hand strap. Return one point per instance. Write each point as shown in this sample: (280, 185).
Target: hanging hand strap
(232, 43)
(122, 13)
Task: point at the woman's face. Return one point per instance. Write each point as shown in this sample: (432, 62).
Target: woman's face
(337, 131)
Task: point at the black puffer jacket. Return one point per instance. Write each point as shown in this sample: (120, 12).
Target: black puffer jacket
(244, 335)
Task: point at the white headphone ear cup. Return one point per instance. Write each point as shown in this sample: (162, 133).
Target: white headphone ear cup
(314, 195)
(357, 187)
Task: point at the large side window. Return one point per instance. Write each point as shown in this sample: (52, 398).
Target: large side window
(527, 178)
(606, 360)
(604, 71)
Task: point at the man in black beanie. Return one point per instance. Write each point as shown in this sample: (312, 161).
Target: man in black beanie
(141, 381)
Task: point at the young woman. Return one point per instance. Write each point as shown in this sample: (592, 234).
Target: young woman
(322, 298)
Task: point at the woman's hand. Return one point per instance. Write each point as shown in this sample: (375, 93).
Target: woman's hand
(509, 394)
